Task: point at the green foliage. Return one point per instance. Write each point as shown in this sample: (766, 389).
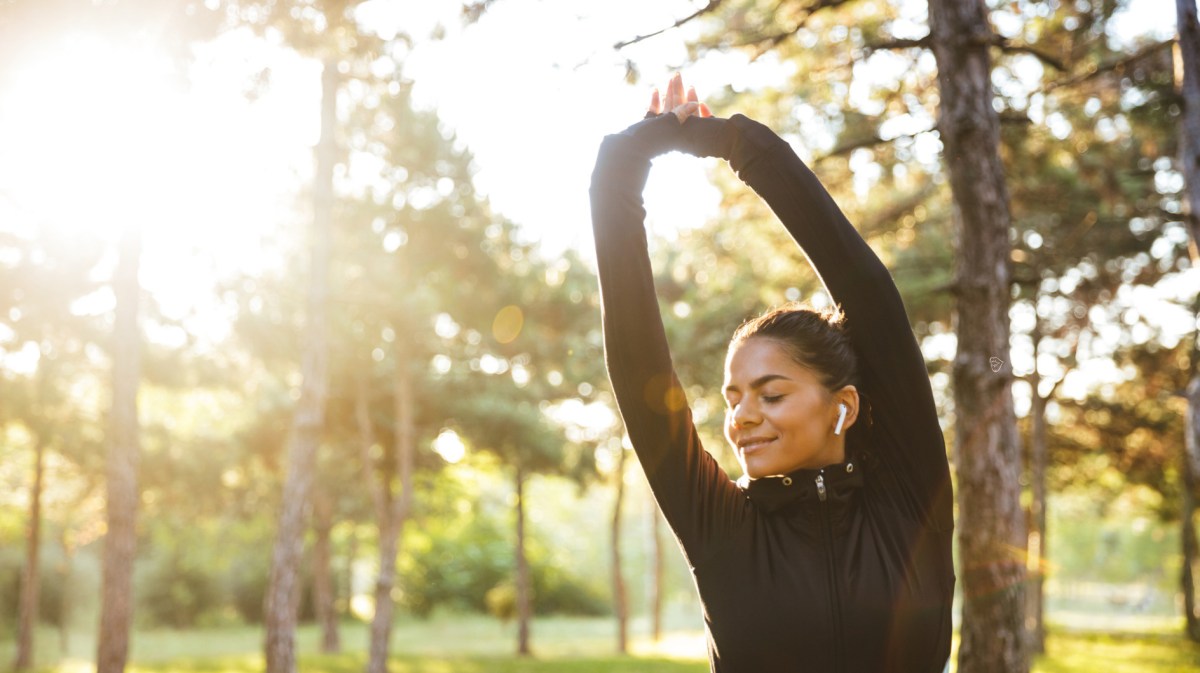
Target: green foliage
(1125, 433)
(50, 593)
(502, 601)
(455, 566)
(461, 559)
(177, 592)
(1115, 541)
(248, 579)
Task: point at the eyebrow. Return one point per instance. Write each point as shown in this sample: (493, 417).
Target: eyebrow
(759, 382)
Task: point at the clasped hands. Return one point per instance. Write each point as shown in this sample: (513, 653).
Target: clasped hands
(702, 135)
(682, 105)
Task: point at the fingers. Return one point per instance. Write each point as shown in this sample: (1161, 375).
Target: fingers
(686, 110)
(682, 104)
(655, 103)
(675, 96)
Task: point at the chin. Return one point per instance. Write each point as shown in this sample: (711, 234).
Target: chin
(757, 471)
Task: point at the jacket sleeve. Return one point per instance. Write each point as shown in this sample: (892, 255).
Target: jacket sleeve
(906, 434)
(696, 496)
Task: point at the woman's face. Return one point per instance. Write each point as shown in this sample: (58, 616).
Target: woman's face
(778, 417)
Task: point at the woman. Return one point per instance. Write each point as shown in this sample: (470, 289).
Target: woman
(833, 552)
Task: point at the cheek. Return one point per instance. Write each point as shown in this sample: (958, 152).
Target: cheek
(801, 421)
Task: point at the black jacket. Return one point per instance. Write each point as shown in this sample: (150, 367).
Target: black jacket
(843, 569)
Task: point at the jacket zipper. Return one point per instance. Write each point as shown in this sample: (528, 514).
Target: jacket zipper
(827, 529)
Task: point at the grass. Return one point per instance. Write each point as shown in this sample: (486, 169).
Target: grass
(1162, 652)
(562, 645)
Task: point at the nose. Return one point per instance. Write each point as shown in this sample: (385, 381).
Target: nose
(743, 415)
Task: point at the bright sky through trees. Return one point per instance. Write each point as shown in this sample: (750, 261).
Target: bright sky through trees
(97, 135)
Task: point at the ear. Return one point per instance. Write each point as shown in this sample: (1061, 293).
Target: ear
(847, 395)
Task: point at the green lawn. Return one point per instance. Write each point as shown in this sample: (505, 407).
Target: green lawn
(478, 645)
(1120, 653)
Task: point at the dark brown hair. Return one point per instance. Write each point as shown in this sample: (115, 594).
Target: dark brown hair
(814, 338)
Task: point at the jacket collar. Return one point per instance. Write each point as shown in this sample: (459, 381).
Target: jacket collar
(840, 481)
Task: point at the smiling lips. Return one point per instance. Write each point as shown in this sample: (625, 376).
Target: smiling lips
(752, 444)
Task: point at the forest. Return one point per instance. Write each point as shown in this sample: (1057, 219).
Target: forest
(301, 355)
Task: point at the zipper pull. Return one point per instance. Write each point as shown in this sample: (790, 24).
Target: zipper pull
(821, 487)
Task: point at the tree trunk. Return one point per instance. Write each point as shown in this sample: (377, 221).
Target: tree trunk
(1191, 555)
(284, 588)
(620, 604)
(1037, 536)
(120, 540)
(524, 602)
(1189, 52)
(30, 574)
(1035, 617)
(385, 604)
(394, 510)
(324, 592)
(991, 522)
(64, 605)
(348, 570)
(656, 586)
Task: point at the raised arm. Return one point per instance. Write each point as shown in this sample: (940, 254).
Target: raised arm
(696, 496)
(907, 434)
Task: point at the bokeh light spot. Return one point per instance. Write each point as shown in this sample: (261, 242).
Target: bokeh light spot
(508, 323)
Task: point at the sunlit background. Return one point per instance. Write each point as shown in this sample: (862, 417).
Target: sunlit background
(205, 146)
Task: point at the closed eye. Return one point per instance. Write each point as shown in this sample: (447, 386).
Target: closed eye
(771, 399)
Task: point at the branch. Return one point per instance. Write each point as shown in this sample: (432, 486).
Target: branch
(1104, 68)
(775, 39)
(900, 44)
(860, 143)
(1011, 48)
(711, 6)
(869, 141)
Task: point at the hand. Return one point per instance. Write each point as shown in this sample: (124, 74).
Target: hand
(683, 106)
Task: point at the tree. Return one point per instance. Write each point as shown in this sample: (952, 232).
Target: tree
(986, 450)
(49, 271)
(1189, 53)
(543, 336)
(116, 611)
(30, 580)
(25, 26)
(406, 246)
(620, 598)
(324, 588)
(308, 421)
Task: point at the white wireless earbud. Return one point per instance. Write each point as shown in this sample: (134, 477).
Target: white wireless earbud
(841, 420)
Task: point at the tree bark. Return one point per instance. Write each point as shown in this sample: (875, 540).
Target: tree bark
(991, 522)
(524, 602)
(1189, 52)
(64, 605)
(393, 510)
(347, 578)
(284, 588)
(656, 586)
(30, 574)
(620, 603)
(1191, 554)
(1035, 618)
(120, 540)
(324, 592)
